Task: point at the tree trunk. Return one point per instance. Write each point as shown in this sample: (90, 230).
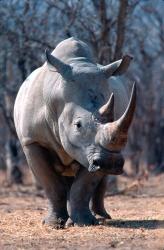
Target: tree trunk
(14, 174)
(121, 21)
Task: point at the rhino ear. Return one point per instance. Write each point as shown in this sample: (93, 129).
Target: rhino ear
(118, 67)
(64, 69)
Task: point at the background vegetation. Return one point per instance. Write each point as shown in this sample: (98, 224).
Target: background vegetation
(112, 28)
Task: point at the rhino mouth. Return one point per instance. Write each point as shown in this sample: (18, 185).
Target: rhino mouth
(111, 171)
(93, 168)
(110, 163)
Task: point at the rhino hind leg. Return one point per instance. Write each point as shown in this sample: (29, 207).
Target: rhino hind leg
(80, 194)
(40, 163)
(97, 201)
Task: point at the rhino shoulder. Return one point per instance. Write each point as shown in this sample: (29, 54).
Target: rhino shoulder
(29, 106)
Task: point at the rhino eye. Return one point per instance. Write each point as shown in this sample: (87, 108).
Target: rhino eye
(78, 124)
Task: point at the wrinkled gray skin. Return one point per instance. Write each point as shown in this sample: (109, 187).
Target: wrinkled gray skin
(61, 122)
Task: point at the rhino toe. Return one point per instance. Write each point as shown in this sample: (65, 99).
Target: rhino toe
(102, 215)
(54, 221)
(69, 223)
(82, 220)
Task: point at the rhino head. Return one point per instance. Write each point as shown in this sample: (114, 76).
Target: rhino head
(87, 129)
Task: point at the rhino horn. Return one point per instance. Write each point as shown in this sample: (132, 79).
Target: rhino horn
(118, 67)
(64, 69)
(125, 120)
(107, 111)
(116, 132)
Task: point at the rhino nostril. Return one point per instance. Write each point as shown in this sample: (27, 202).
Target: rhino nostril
(121, 162)
(96, 162)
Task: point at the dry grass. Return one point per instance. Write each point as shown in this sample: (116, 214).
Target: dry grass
(138, 221)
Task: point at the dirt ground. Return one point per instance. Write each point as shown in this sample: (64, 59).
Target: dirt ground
(137, 212)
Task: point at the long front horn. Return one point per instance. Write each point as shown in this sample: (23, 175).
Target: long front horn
(125, 120)
(114, 134)
(64, 69)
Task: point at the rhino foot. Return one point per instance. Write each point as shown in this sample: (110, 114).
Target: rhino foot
(54, 221)
(82, 220)
(102, 215)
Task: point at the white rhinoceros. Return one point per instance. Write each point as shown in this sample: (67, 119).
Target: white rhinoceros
(71, 130)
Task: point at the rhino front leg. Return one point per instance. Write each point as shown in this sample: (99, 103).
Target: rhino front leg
(97, 202)
(80, 194)
(40, 163)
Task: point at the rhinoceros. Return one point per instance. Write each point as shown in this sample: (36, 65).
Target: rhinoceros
(72, 118)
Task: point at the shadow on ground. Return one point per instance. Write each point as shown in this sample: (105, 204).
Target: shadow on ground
(147, 224)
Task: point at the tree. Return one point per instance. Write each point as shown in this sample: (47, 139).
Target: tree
(111, 28)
